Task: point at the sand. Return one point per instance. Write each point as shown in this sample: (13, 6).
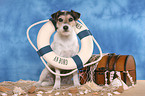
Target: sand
(66, 90)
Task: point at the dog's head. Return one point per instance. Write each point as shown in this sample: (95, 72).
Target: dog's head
(65, 21)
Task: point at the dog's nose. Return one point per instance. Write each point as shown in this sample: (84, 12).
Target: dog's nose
(65, 27)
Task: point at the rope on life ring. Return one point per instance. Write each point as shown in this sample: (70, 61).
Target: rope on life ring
(45, 52)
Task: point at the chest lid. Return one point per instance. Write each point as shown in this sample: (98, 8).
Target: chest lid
(125, 63)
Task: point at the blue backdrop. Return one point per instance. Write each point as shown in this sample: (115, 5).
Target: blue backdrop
(118, 26)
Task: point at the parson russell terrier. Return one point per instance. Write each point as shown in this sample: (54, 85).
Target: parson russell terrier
(65, 44)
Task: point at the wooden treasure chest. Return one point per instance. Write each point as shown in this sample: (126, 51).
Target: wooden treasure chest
(110, 67)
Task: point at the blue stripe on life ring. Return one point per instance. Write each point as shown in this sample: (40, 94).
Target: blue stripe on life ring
(83, 34)
(78, 61)
(44, 50)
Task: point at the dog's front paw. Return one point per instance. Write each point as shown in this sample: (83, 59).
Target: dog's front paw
(76, 84)
(56, 86)
(46, 84)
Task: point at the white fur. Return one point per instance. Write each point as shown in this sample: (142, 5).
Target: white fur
(65, 44)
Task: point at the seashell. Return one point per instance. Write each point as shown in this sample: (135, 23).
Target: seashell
(81, 93)
(4, 94)
(18, 90)
(32, 89)
(39, 94)
(109, 94)
(15, 95)
(57, 93)
(69, 94)
(116, 93)
(73, 90)
(86, 91)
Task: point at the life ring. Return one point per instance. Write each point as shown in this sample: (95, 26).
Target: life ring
(77, 61)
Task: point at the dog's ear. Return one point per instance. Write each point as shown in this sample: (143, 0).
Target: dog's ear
(76, 15)
(55, 15)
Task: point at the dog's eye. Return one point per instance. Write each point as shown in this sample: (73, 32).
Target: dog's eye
(70, 19)
(60, 19)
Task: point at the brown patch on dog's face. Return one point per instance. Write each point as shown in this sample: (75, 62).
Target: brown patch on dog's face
(74, 14)
(65, 21)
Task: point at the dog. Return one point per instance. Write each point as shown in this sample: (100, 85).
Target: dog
(65, 44)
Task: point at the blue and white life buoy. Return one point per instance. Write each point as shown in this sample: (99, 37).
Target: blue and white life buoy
(46, 53)
(44, 49)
